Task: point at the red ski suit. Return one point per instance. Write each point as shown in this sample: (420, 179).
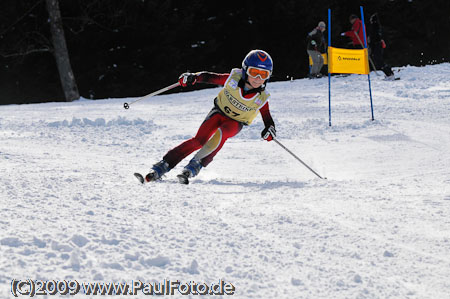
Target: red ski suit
(358, 28)
(215, 120)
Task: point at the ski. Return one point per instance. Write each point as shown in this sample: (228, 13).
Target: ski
(139, 177)
(183, 179)
(149, 178)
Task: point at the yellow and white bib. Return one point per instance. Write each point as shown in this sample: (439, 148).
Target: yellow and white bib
(231, 101)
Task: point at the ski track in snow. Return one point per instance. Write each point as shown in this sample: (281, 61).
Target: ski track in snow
(377, 228)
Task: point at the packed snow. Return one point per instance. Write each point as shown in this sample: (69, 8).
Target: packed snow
(256, 218)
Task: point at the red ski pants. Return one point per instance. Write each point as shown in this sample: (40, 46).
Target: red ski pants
(215, 123)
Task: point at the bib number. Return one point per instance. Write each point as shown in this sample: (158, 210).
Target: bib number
(229, 111)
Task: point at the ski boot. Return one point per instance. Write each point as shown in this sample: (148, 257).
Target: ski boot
(189, 171)
(157, 171)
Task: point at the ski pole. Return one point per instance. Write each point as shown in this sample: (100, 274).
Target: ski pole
(127, 105)
(300, 160)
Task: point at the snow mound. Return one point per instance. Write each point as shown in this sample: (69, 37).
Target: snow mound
(100, 122)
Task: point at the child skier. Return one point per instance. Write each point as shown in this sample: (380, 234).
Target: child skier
(236, 105)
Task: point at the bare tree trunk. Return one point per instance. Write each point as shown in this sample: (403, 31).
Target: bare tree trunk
(68, 82)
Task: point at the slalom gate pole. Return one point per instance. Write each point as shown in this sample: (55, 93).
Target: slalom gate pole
(368, 75)
(329, 74)
(127, 105)
(298, 159)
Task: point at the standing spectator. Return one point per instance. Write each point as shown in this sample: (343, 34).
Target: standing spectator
(376, 47)
(315, 47)
(357, 32)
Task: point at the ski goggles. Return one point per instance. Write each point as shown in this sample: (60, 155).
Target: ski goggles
(257, 72)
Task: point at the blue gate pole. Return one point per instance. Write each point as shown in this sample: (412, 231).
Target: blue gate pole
(365, 45)
(329, 75)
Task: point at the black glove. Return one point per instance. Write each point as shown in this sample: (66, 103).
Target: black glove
(268, 133)
(187, 79)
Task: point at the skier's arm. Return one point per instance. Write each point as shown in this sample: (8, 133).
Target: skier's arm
(355, 30)
(189, 79)
(212, 78)
(269, 131)
(267, 118)
(315, 40)
(349, 34)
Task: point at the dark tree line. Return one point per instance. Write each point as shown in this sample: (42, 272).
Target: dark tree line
(121, 48)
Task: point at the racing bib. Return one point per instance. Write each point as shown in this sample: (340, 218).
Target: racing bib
(231, 101)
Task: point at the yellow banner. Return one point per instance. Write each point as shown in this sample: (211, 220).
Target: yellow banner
(348, 61)
(325, 59)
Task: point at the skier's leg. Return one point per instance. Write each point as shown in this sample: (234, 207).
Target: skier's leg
(377, 55)
(204, 156)
(228, 128)
(320, 63)
(206, 130)
(317, 61)
(175, 155)
(194, 166)
(388, 71)
(207, 152)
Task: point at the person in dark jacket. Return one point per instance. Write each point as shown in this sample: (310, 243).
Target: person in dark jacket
(376, 47)
(315, 47)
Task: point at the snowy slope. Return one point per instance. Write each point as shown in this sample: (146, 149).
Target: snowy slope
(379, 227)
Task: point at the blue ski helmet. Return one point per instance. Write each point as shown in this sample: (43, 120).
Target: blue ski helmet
(257, 58)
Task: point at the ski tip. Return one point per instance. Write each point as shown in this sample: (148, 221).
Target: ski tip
(182, 179)
(139, 177)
